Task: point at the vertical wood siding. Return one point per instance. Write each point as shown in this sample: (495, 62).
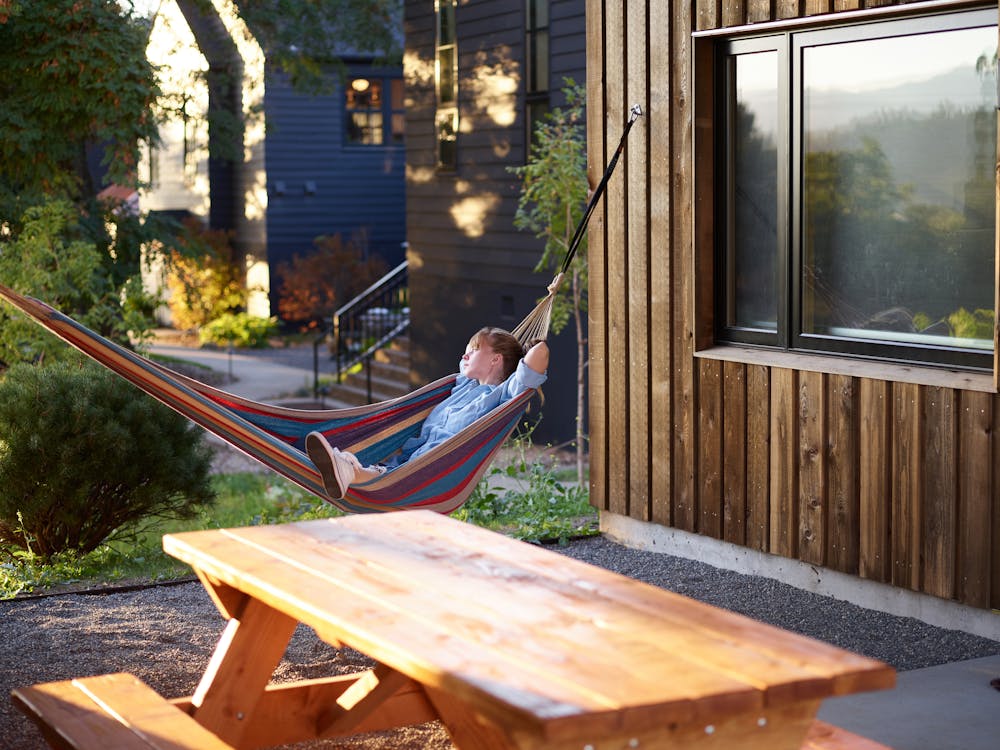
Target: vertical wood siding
(890, 481)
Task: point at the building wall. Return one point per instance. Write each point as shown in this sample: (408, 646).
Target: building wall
(317, 185)
(469, 266)
(867, 472)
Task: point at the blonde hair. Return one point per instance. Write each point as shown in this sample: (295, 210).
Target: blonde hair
(503, 343)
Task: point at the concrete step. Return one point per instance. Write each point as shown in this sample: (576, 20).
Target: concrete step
(390, 377)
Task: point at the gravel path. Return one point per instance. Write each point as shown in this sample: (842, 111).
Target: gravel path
(166, 634)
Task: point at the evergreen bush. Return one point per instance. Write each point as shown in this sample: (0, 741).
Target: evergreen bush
(83, 455)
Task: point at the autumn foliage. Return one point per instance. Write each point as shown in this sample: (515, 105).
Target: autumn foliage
(315, 285)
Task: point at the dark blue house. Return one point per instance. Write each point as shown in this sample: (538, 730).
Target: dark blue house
(277, 167)
(336, 164)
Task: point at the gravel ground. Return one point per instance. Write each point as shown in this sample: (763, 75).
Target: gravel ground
(165, 635)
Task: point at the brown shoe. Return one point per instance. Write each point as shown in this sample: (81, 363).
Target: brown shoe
(336, 469)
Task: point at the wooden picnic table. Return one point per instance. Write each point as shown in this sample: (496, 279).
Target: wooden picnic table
(510, 645)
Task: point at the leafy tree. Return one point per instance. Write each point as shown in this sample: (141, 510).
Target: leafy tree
(83, 455)
(553, 196)
(302, 38)
(73, 74)
(54, 259)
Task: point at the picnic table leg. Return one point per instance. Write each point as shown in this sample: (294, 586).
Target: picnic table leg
(244, 661)
(467, 731)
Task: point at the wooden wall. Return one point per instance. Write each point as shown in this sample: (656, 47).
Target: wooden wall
(891, 481)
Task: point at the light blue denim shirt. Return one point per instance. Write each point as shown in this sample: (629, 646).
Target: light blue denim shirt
(469, 400)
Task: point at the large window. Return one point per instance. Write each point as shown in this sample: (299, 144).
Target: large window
(856, 203)
(446, 80)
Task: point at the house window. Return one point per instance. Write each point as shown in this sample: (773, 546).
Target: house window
(536, 63)
(856, 205)
(371, 118)
(446, 81)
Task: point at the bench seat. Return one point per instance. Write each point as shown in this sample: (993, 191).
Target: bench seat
(823, 736)
(111, 711)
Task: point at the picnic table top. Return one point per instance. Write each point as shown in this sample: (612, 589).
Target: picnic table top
(530, 639)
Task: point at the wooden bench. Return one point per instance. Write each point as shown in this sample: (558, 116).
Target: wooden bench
(112, 711)
(121, 711)
(823, 736)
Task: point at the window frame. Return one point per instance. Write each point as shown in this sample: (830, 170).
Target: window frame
(713, 144)
(385, 109)
(446, 117)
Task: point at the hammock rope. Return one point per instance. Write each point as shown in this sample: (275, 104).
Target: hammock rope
(535, 325)
(440, 479)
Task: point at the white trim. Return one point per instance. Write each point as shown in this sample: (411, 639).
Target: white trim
(882, 597)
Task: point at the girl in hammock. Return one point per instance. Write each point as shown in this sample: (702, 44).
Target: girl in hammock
(494, 369)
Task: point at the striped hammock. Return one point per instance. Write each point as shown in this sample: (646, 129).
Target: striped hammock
(441, 479)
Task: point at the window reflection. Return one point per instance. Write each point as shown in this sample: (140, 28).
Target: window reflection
(898, 148)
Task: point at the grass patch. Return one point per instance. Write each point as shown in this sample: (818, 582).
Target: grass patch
(524, 500)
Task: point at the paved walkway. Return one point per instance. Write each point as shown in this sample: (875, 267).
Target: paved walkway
(261, 374)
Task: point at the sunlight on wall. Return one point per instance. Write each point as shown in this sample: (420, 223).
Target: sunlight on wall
(419, 175)
(258, 284)
(175, 173)
(492, 86)
(470, 214)
(417, 72)
(254, 175)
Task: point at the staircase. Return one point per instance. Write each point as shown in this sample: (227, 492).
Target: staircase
(389, 374)
(369, 339)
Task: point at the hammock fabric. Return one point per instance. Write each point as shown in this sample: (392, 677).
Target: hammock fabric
(440, 480)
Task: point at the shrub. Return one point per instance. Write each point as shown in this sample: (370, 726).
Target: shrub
(240, 329)
(83, 455)
(314, 286)
(203, 278)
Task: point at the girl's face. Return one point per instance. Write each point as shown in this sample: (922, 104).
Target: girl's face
(479, 362)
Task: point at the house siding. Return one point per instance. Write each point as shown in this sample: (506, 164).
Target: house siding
(359, 191)
(468, 262)
(890, 481)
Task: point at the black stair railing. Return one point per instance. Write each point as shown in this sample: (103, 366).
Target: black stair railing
(366, 324)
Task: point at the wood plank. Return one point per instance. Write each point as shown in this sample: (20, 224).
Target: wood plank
(634, 181)
(994, 555)
(874, 450)
(659, 126)
(758, 457)
(710, 436)
(734, 454)
(841, 5)
(816, 7)
(907, 484)
(734, 13)
(787, 9)
(707, 14)
(812, 500)
(975, 491)
(823, 736)
(288, 712)
(759, 10)
(617, 270)
(597, 324)
(242, 664)
(940, 492)
(110, 711)
(843, 517)
(784, 521)
(682, 296)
